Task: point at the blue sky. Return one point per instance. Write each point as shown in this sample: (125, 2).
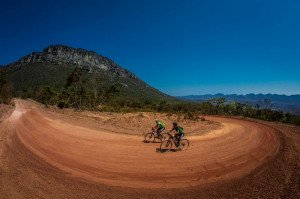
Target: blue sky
(179, 47)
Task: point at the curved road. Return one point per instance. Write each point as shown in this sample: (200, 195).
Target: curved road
(124, 160)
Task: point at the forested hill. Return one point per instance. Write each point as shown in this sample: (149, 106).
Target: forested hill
(79, 73)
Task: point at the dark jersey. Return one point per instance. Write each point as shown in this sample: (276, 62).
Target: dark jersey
(178, 129)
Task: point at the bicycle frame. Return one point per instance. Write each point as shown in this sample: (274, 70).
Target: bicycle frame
(173, 138)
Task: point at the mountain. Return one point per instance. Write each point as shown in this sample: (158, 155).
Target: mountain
(278, 102)
(54, 64)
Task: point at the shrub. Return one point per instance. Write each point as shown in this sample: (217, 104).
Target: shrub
(191, 116)
(202, 119)
(62, 104)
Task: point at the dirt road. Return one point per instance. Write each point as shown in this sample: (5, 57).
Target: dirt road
(46, 157)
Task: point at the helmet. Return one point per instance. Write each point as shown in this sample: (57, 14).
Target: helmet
(175, 124)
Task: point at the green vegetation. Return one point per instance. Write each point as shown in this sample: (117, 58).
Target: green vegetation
(5, 87)
(76, 94)
(31, 78)
(70, 86)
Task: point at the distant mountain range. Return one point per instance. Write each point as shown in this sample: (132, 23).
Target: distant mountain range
(286, 103)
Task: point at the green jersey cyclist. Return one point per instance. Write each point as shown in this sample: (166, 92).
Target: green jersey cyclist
(160, 126)
(178, 132)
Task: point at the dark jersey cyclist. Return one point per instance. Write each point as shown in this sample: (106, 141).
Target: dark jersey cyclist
(179, 132)
(160, 126)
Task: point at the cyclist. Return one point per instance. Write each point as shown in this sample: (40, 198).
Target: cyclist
(179, 132)
(160, 126)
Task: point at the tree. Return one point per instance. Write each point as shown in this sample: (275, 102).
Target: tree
(76, 84)
(257, 106)
(217, 103)
(267, 103)
(96, 87)
(45, 95)
(163, 105)
(238, 108)
(6, 91)
(111, 91)
(74, 77)
(206, 108)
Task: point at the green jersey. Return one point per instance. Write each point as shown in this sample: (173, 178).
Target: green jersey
(178, 129)
(160, 124)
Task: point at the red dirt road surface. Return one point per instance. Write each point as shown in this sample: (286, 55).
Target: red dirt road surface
(46, 157)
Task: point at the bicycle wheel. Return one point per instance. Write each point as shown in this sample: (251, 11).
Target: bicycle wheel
(166, 146)
(184, 144)
(149, 137)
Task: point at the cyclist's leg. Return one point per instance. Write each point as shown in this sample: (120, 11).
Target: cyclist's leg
(176, 136)
(159, 130)
(180, 136)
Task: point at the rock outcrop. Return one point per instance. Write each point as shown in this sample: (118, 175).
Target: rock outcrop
(58, 54)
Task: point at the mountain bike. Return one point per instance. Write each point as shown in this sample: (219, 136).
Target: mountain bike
(166, 145)
(151, 136)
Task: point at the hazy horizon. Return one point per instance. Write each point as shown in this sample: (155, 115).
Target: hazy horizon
(228, 89)
(237, 94)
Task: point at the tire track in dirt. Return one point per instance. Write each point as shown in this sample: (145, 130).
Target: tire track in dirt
(124, 160)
